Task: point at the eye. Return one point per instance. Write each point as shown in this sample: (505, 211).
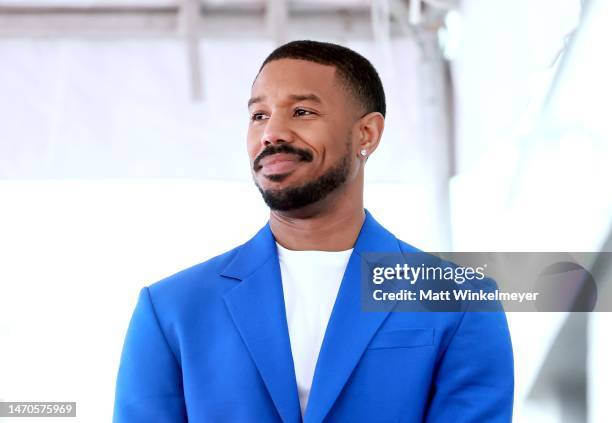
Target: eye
(302, 112)
(257, 116)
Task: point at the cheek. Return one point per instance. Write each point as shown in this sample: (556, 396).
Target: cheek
(320, 139)
(252, 143)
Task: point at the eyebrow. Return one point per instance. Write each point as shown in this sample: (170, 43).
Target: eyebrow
(295, 97)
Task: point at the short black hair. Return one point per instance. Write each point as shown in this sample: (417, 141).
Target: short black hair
(354, 70)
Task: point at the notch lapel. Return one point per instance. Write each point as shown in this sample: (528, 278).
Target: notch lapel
(257, 308)
(349, 329)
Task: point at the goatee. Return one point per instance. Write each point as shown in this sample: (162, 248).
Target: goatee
(310, 192)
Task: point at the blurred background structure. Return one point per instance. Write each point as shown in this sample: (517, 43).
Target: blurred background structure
(123, 160)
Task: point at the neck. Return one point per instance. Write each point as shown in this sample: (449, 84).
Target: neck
(331, 226)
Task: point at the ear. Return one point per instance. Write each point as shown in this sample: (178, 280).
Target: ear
(370, 129)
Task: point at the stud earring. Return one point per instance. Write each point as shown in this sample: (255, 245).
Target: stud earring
(364, 152)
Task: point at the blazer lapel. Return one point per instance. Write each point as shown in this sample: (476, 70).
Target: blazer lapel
(257, 308)
(349, 329)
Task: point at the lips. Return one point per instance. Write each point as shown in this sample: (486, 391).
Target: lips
(279, 163)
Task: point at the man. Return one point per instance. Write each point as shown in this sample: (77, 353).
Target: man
(273, 330)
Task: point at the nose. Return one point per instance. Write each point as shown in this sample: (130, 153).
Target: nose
(276, 130)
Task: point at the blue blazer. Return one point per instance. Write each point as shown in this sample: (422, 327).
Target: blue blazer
(211, 344)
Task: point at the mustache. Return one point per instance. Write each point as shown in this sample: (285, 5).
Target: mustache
(304, 155)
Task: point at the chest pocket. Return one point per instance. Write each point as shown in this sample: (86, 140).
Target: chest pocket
(402, 338)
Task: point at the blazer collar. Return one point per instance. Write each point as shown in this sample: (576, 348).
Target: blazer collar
(373, 237)
(258, 311)
(257, 308)
(350, 329)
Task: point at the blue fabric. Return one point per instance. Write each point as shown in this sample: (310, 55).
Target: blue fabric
(211, 344)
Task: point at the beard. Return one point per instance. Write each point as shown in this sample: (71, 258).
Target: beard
(292, 198)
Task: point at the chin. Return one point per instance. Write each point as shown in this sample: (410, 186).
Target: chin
(277, 178)
(278, 181)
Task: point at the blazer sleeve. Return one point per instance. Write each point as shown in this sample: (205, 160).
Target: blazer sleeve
(474, 381)
(149, 383)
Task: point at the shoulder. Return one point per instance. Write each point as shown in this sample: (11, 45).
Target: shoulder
(197, 282)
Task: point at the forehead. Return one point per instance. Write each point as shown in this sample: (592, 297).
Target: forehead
(285, 77)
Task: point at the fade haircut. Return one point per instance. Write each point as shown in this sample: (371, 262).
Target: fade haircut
(354, 71)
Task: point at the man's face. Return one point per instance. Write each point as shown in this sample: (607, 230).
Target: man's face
(299, 137)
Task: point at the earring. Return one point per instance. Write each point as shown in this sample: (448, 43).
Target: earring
(364, 152)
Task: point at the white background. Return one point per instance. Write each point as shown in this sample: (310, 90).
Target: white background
(113, 178)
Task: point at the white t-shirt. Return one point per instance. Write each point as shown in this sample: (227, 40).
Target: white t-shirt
(311, 280)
